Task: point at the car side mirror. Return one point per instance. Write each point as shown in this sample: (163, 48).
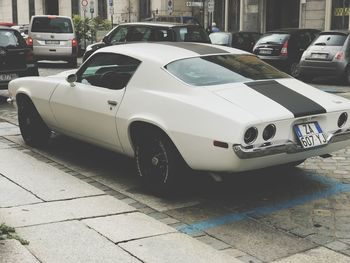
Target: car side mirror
(105, 40)
(71, 79)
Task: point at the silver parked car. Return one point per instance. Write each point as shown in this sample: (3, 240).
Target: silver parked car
(328, 55)
(53, 38)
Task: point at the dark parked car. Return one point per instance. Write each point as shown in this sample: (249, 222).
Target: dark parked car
(328, 55)
(16, 58)
(242, 40)
(283, 48)
(150, 31)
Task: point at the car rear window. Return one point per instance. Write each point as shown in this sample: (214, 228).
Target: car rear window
(11, 39)
(219, 38)
(52, 25)
(330, 40)
(273, 38)
(222, 69)
(191, 34)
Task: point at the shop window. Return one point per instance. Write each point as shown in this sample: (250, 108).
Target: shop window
(340, 14)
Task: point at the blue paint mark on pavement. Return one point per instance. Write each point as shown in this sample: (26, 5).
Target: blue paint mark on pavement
(334, 188)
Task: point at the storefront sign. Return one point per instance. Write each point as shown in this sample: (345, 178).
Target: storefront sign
(345, 11)
(194, 4)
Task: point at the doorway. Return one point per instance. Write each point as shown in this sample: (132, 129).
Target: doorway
(282, 14)
(51, 7)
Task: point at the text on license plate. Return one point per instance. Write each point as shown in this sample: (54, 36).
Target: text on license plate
(265, 51)
(8, 77)
(310, 134)
(52, 42)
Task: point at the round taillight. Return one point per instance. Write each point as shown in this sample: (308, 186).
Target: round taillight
(74, 42)
(269, 132)
(250, 135)
(342, 119)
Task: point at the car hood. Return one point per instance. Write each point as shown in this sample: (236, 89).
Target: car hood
(280, 99)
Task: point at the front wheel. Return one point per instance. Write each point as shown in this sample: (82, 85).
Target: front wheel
(158, 162)
(33, 129)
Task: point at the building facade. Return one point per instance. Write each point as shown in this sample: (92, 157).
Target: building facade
(229, 15)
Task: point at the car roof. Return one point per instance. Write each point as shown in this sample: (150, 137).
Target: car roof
(292, 30)
(342, 31)
(52, 16)
(7, 28)
(160, 24)
(165, 52)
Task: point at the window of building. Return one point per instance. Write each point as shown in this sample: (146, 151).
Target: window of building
(14, 12)
(102, 9)
(75, 7)
(340, 14)
(31, 8)
(145, 9)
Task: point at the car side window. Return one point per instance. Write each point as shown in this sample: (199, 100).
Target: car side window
(106, 70)
(139, 33)
(119, 35)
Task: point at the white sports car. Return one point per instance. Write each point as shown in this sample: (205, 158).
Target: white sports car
(178, 105)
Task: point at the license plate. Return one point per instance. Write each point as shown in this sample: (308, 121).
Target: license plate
(319, 56)
(310, 134)
(265, 51)
(8, 77)
(52, 42)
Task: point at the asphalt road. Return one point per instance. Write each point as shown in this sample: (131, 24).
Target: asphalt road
(260, 216)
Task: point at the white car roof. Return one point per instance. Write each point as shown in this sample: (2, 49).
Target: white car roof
(165, 52)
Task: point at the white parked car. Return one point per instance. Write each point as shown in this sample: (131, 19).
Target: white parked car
(178, 105)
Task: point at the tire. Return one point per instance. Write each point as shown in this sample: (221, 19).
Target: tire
(33, 129)
(294, 69)
(73, 62)
(346, 75)
(158, 162)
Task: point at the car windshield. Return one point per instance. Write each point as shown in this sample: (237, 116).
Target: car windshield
(273, 38)
(11, 39)
(191, 34)
(221, 69)
(330, 40)
(52, 25)
(219, 38)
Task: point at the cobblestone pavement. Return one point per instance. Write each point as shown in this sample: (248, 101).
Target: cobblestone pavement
(260, 216)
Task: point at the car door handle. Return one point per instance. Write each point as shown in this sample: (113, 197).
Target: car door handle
(112, 102)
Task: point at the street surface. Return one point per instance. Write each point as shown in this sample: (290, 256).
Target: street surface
(260, 216)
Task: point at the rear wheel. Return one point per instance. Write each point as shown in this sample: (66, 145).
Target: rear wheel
(346, 76)
(33, 129)
(294, 69)
(73, 62)
(158, 162)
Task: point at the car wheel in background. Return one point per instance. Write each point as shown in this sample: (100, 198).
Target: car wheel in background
(294, 69)
(33, 129)
(158, 162)
(73, 62)
(346, 76)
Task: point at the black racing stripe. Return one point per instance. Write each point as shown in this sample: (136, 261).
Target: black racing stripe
(298, 104)
(194, 47)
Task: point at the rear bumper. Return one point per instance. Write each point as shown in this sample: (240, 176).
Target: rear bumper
(30, 70)
(286, 148)
(322, 68)
(276, 61)
(54, 53)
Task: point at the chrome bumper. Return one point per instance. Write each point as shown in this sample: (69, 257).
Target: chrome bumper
(288, 147)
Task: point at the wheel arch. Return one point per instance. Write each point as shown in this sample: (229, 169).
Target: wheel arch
(139, 127)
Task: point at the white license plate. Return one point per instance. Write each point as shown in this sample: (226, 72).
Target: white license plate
(265, 51)
(52, 42)
(8, 77)
(320, 56)
(310, 134)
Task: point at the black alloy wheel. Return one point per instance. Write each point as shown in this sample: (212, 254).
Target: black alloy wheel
(33, 129)
(158, 163)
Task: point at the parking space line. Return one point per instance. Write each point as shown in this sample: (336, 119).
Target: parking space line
(334, 187)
